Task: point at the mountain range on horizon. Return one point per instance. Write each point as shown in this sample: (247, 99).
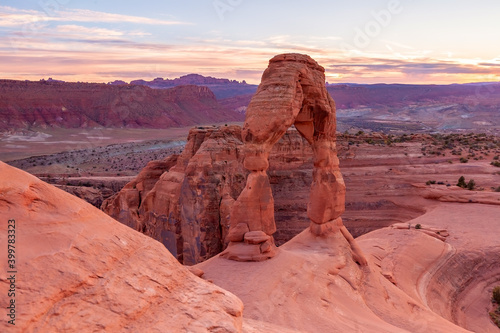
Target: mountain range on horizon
(198, 79)
(163, 103)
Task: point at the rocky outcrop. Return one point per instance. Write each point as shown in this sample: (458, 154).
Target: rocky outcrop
(187, 206)
(125, 207)
(292, 92)
(25, 104)
(78, 270)
(222, 88)
(90, 194)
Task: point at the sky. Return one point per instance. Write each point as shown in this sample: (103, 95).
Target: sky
(357, 41)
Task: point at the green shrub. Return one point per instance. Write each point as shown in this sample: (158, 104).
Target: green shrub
(496, 164)
(418, 226)
(471, 185)
(461, 182)
(496, 294)
(495, 315)
(464, 160)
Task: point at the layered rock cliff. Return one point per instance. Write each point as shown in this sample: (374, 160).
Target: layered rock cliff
(25, 104)
(187, 208)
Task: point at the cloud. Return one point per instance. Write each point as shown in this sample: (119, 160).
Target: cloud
(76, 51)
(85, 31)
(428, 66)
(13, 17)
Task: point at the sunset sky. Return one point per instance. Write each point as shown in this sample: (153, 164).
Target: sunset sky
(362, 41)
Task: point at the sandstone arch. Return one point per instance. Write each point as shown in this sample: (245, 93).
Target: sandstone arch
(292, 92)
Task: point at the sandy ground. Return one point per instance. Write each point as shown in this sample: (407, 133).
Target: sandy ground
(22, 144)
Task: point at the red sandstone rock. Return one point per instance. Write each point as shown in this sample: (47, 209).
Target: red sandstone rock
(237, 234)
(292, 92)
(25, 104)
(81, 271)
(255, 205)
(288, 158)
(125, 206)
(248, 252)
(225, 208)
(314, 284)
(188, 207)
(256, 237)
(196, 271)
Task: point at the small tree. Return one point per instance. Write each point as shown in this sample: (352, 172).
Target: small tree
(461, 182)
(471, 185)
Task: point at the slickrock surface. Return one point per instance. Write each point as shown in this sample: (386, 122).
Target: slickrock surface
(313, 285)
(414, 282)
(81, 271)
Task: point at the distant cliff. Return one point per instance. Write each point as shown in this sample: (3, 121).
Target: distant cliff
(222, 88)
(42, 104)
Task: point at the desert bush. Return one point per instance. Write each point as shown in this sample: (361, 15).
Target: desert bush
(497, 189)
(471, 185)
(495, 164)
(496, 294)
(464, 160)
(418, 226)
(429, 182)
(495, 318)
(461, 182)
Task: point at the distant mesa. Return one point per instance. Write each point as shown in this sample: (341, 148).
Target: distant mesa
(53, 104)
(195, 79)
(117, 83)
(222, 88)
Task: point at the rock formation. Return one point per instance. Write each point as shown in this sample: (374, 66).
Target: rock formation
(187, 203)
(44, 104)
(125, 207)
(194, 196)
(78, 270)
(292, 92)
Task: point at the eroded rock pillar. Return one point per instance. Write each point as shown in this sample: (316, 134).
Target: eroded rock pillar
(252, 218)
(327, 198)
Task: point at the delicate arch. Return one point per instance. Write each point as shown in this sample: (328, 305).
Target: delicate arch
(292, 92)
